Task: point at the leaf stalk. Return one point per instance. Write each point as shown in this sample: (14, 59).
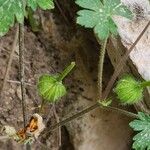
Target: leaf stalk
(66, 71)
(100, 68)
(145, 84)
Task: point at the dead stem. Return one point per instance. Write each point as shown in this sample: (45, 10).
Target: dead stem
(18, 82)
(9, 62)
(21, 71)
(59, 128)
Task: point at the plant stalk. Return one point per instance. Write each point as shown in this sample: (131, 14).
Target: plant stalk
(85, 111)
(79, 114)
(66, 71)
(121, 111)
(42, 106)
(9, 62)
(21, 72)
(100, 69)
(145, 84)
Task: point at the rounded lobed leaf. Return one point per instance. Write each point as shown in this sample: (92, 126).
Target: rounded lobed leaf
(128, 90)
(50, 88)
(99, 16)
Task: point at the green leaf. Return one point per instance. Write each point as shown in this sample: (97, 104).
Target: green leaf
(142, 138)
(128, 90)
(85, 18)
(90, 4)
(44, 4)
(50, 88)
(112, 27)
(99, 16)
(9, 10)
(33, 4)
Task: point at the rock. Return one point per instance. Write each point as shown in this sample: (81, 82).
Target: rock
(130, 30)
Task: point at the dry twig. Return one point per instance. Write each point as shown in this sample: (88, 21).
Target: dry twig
(9, 63)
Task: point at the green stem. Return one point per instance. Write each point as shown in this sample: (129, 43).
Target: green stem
(145, 84)
(66, 71)
(87, 110)
(121, 111)
(100, 68)
(42, 106)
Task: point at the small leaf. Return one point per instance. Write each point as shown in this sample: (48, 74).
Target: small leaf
(50, 88)
(99, 16)
(44, 4)
(128, 90)
(141, 139)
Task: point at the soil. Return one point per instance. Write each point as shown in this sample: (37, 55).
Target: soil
(49, 51)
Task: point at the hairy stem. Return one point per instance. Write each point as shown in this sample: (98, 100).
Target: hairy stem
(21, 73)
(66, 71)
(21, 70)
(21, 66)
(121, 111)
(85, 111)
(100, 68)
(145, 84)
